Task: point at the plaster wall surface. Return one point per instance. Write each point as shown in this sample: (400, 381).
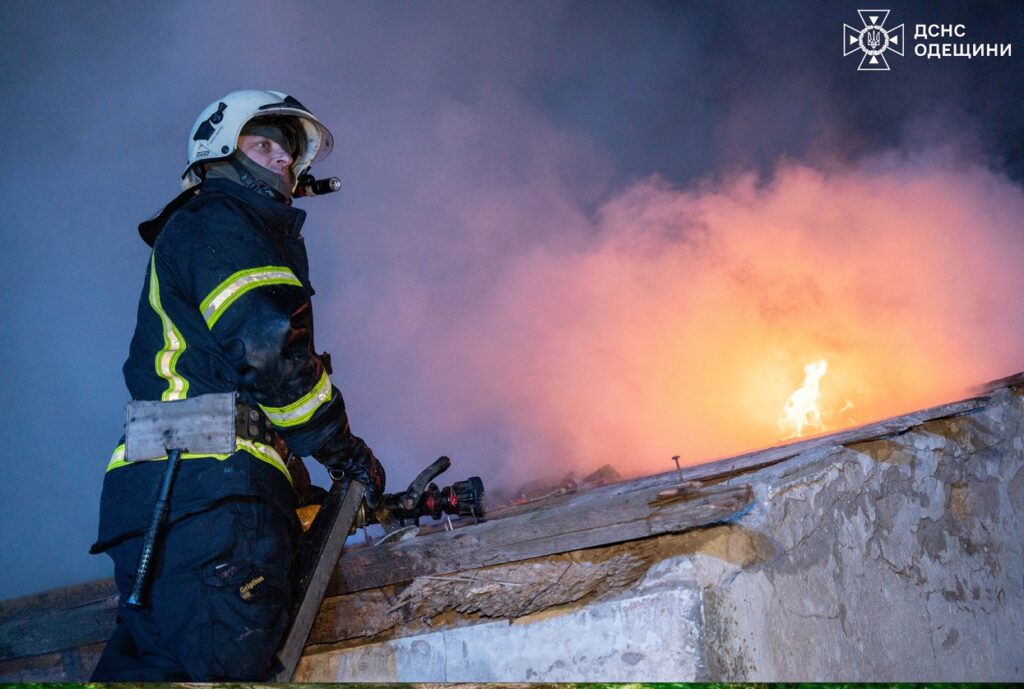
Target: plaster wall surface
(894, 559)
(891, 560)
(651, 635)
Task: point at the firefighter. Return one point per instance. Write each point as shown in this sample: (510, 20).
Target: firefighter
(225, 309)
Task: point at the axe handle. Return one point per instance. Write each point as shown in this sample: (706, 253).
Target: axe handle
(156, 523)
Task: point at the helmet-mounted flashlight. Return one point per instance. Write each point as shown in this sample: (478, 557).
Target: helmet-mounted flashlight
(311, 186)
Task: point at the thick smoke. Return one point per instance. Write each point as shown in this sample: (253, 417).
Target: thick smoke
(673, 320)
(523, 270)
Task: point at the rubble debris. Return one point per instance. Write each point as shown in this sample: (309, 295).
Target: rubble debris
(541, 489)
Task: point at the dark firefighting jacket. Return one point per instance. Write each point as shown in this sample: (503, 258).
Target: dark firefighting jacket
(225, 307)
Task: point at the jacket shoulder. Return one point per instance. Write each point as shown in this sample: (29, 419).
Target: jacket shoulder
(213, 205)
(209, 219)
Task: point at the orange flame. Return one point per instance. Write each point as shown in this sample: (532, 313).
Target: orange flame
(801, 409)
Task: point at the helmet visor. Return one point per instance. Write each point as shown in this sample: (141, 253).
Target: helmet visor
(284, 131)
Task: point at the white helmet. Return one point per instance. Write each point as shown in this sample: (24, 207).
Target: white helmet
(214, 135)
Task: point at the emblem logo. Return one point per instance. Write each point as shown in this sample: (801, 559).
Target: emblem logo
(207, 128)
(873, 39)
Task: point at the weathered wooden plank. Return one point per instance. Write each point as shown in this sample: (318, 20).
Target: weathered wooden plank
(321, 547)
(533, 535)
(39, 668)
(57, 599)
(58, 630)
(71, 665)
(71, 659)
(609, 515)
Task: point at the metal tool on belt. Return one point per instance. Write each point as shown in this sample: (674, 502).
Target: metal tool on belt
(206, 425)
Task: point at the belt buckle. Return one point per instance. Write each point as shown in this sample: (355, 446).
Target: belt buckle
(252, 424)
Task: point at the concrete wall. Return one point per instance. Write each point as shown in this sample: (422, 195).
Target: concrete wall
(898, 558)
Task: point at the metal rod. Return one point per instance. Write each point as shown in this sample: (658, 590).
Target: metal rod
(153, 531)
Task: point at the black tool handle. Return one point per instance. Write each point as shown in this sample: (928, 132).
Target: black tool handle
(156, 522)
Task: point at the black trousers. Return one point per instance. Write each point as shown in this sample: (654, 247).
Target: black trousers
(218, 598)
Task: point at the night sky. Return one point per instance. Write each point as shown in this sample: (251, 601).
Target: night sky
(548, 210)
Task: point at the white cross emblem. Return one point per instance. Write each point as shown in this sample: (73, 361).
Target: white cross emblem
(873, 40)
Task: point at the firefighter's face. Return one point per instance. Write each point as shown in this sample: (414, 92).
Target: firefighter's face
(267, 153)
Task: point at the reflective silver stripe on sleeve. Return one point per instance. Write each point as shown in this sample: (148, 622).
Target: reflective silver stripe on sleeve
(301, 410)
(217, 302)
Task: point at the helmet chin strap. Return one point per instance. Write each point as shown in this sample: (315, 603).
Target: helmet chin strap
(243, 170)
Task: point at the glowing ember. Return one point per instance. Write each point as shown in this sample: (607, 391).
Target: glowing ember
(801, 409)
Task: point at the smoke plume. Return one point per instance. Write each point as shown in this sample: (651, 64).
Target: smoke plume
(678, 320)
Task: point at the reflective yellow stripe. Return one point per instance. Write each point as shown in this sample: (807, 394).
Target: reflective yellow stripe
(174, 343)
(225, 294)
(301, 410)
(265, 453)
(117, 459)
(261, 451)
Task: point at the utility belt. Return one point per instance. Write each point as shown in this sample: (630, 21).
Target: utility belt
(207, 424)
(216, 425)
(211, 424)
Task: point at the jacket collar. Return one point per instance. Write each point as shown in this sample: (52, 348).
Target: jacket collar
(281, 219)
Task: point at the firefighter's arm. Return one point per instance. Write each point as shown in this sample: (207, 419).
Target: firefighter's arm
(285, 376)
(272, 345)
(259, 313)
